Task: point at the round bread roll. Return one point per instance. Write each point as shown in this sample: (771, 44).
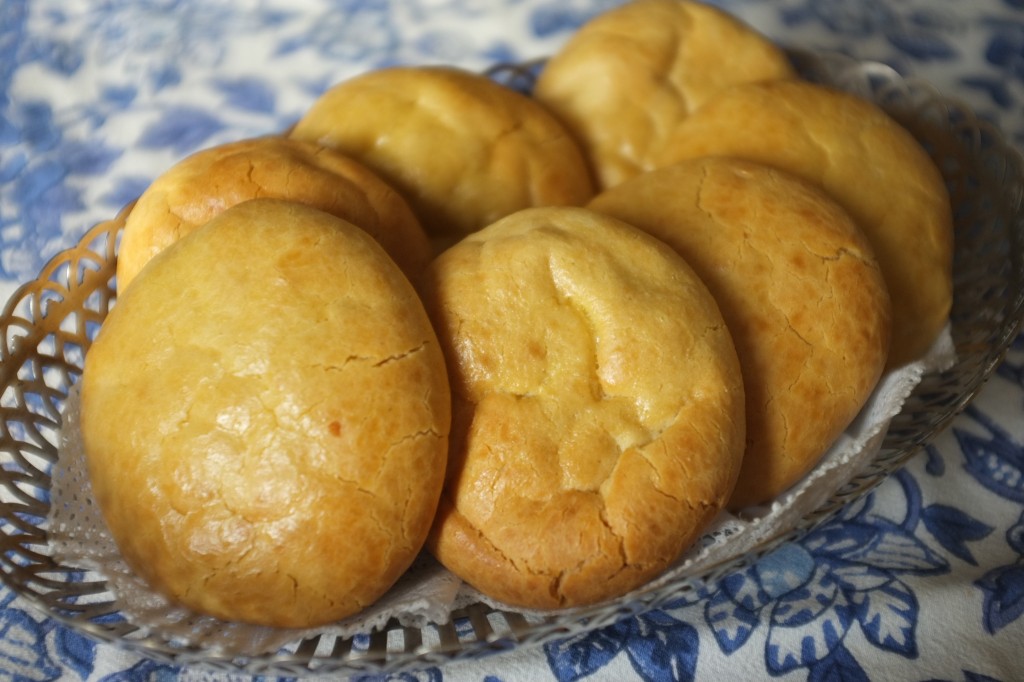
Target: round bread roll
(868, 162)
(800, 291)
(626, 78)
(265, 416)
(598, 407)
(202, 185)
(463, 150)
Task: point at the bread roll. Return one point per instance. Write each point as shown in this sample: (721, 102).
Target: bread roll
(799, 288)
(865, 160)
(463, 150)
(598, 407)
(265, 415)
(625, 79)
(202, 185)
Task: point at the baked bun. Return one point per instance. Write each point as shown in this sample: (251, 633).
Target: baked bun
(202, 185)
(463, 150)
(868, 162)
(626, 78)
(265, 416)
(800, 291)
(598, 407)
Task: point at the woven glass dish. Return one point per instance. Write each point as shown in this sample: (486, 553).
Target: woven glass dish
(49, 322)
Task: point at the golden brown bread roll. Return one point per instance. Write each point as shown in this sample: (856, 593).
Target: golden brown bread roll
(869, 163)
(625, 79)
(265, 416)
(463, 150)
(598, 407)
(202, 185)
(799, 288)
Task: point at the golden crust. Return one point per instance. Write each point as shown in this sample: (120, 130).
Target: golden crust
(598, 407)
(202, 185)
(799, 288)
(463, 150)
(625, 79)
(865, 160)
(265, 414)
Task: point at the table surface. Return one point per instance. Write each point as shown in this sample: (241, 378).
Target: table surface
(921, 580)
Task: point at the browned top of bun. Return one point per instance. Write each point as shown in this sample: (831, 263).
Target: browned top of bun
(598, 414)
(463, 150)
(865, 160)
(799, 288)
(265, 416)
(202, 185)
(625, 78)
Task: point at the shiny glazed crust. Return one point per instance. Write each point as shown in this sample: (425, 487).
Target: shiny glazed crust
(865, 160)
(799, 288)
(598, 407)
(265, 413)
(625, 79)
(462, 149)
(202, 185)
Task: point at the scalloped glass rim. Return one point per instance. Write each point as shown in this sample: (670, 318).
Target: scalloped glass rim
(49, 322)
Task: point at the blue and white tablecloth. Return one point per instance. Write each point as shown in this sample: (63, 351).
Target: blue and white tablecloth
(921, 580)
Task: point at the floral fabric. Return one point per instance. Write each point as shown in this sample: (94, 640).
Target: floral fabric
(923, 579)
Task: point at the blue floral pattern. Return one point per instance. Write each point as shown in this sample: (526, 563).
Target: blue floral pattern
(994, 460)
(1004, 585)
(805, 598)
(98, 97)
(658, 646)
(38, 646)
(809, 594)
